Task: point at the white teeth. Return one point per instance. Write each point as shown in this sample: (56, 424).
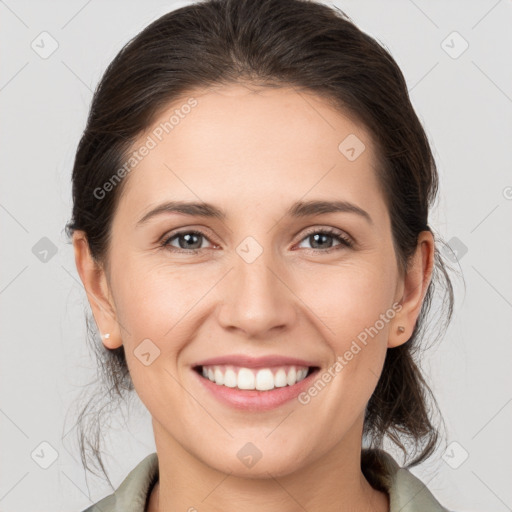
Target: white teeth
(230, 378)
(292, 376)
(219, 376)
(280, 379)
(245, 379)
(262, 379)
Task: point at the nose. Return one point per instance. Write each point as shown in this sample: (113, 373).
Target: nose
(259, 302)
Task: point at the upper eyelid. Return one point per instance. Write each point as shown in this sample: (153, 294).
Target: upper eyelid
(166, 238)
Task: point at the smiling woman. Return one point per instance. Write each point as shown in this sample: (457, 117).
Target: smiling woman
(262, 271)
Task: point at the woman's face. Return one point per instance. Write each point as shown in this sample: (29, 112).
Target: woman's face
(263, 281)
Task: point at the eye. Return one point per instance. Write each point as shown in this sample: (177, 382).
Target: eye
(191, 241)
(320, 238)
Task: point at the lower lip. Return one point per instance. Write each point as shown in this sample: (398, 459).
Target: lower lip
(252, 399)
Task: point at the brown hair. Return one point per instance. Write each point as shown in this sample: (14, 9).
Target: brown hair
(298, 43)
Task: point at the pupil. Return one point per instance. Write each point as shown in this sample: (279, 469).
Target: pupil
(321, 236)
(188, 237)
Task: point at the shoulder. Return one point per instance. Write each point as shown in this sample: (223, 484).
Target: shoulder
(407, 493)
(132, 493)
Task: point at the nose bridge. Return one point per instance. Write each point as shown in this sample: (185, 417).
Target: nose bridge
(257, 300)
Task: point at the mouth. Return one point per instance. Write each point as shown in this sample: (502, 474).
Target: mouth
(260, 379)
(255, 388)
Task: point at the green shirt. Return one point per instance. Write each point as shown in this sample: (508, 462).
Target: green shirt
(406, 492)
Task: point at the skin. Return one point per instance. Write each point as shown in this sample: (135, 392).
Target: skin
(253, 152)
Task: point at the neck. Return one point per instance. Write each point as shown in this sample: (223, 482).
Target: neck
(333, 482)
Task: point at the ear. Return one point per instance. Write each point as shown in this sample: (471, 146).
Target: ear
(412, 289)
(97, 288)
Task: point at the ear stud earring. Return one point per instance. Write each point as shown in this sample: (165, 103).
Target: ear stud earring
(401, 329)
(106, 336)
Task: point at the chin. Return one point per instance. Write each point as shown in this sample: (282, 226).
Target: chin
(249, 462)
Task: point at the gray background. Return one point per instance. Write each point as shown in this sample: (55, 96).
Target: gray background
(465, 103)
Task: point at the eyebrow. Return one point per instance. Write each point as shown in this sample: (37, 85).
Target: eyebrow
(298, 209)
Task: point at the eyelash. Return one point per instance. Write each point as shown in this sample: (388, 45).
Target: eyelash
(344, 241)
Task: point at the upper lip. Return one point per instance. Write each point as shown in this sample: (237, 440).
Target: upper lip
(254, 362)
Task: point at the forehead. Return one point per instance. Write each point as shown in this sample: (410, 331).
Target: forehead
(246, 147)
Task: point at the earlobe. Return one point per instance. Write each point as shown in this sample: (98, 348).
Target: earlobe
(415, 285)
(398, 336)
(97, 289)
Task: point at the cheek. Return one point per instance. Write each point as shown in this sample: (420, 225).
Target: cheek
(151, 299)
(152, 302)
(160, 307)
(353, 308)
(347, 299)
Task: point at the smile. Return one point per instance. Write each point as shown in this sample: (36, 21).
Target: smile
(261, 379)
(256, 389)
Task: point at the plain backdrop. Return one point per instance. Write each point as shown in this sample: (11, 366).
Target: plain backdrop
(456, 57)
